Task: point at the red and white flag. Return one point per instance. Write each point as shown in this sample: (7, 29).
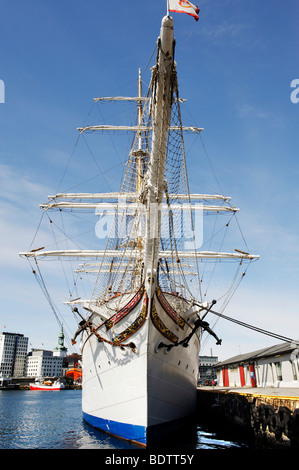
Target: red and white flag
(184, 6)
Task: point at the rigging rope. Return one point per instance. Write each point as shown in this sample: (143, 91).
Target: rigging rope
(252, 327)
(38, 276)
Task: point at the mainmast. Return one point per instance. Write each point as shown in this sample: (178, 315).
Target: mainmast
(161, 103)
(134, 249)
(139, 180)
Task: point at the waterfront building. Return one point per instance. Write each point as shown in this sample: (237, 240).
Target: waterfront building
(74, 360)
(44, 363)
(13, 351)
(275, 366)
(207, 370)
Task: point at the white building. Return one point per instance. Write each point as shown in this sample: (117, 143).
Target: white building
(43, 363)
(13, 352)
(275, 366)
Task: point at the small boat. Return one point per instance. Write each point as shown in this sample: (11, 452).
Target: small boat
(47, 385)
(74, 373)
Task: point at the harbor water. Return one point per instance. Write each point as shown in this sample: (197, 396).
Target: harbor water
(53, 420)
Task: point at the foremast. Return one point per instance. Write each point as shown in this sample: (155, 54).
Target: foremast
(163, 73)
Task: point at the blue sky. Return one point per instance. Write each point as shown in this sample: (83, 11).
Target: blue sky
(235, 67)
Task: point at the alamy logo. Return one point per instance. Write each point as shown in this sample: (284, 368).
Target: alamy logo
(127, 221)
(2, 92)
(295, 93)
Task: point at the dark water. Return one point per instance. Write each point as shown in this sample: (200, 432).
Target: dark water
(41, 420)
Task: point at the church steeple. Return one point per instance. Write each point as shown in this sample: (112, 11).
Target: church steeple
(60, 349)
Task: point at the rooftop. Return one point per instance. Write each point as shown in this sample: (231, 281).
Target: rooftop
(260, 353)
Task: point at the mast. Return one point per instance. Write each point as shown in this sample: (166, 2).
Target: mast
(133, 250)
(161, 102)
(138, 181)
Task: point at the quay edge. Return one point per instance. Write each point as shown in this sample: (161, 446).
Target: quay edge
(269, 415)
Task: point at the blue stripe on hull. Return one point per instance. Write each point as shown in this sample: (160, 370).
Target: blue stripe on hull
(130, 432)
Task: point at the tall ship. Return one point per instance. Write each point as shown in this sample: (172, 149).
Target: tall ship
(140, 331)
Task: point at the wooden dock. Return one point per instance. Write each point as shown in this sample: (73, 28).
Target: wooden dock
(271, 414)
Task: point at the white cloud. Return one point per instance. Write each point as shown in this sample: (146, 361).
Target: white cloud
(19, 213)
(225, 29)
(16, 185)
(250, 111)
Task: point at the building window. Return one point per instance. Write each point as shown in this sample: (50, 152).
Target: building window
(278, 371)
(294, 370)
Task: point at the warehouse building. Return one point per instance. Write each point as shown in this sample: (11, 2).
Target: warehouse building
(274, 366)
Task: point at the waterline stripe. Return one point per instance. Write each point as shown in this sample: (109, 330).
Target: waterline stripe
(126, 431)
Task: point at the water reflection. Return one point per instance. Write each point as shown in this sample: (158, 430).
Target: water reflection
(40, 420)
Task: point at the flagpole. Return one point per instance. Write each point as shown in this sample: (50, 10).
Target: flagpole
(167, 7)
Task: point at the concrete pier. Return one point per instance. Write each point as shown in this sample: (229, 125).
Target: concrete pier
(271, 414)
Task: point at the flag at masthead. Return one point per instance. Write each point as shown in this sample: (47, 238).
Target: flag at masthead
(183, 6)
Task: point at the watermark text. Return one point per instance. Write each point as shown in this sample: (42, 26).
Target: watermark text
(175, 221)
(295, 93)
(2, 92)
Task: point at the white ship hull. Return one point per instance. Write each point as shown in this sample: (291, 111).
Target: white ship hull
(127, 393)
